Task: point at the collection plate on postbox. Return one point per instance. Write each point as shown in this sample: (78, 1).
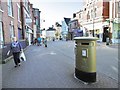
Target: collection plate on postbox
(85, 53)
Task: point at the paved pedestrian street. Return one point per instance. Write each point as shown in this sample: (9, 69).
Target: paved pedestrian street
(53, 67)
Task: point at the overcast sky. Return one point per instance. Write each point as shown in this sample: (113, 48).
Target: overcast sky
(53, 11)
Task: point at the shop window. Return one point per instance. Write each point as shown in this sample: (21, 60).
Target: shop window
(119, 6)
(118, 34)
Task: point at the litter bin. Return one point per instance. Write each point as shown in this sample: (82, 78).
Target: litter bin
(85, 63)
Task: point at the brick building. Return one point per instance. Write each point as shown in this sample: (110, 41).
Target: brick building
(16, 20)
(92, 19)
(11, 26)
(36, 15)
(27, 16)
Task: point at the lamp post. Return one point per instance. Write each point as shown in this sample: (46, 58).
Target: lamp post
(42, 29)
(93, 18)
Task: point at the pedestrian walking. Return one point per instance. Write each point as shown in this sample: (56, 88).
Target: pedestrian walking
(16, 49)
(53, 39)
(90, 35)
(39, 39)
(35, 41)
(45, 42)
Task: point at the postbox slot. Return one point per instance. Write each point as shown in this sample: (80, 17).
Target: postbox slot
(84, 43)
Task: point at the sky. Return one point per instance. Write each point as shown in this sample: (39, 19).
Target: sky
(54, 11)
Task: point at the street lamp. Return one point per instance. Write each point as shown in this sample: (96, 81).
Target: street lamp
(41, 23)
(42, 28)
(93, 17)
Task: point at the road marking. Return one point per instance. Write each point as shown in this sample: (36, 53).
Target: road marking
(52, 53)
(43, 54)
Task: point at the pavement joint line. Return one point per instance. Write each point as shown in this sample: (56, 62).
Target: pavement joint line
(115, 69)
(108, 76)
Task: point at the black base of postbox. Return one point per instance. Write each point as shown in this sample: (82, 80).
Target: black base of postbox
(85, 76)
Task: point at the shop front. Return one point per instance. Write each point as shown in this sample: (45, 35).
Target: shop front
(29, 36)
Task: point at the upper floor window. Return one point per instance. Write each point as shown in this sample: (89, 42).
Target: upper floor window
(27, 6)
(118, 6)
(88, 15)
(91, 13)
(19, 12)
(0, 5)
(1, 35)
(95, 10)
(74, 15)
(10, 10)
(80, 15)
(36, 13)
(12, 33)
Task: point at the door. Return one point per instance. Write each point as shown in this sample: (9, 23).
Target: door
(105, 33)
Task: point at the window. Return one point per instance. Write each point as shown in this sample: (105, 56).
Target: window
(19, 12)
(88, 15)
(0, 5)
(1, 35)
(95, 12)
(118, 34)
(1, 31)
(79, 15)
(119, 6)
(27, 6)
(74, 15)
(91, 13)
(10, 11)
(12, 33)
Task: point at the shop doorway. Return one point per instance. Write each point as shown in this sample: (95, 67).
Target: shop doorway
(105, 33)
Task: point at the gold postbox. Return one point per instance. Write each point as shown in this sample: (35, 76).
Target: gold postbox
(85, 58)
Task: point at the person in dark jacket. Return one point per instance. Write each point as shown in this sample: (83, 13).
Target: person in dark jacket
(45, 42)
(16, 49)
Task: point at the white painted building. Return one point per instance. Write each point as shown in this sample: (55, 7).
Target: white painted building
(50, 33)
(43, 34)
(65, 27)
